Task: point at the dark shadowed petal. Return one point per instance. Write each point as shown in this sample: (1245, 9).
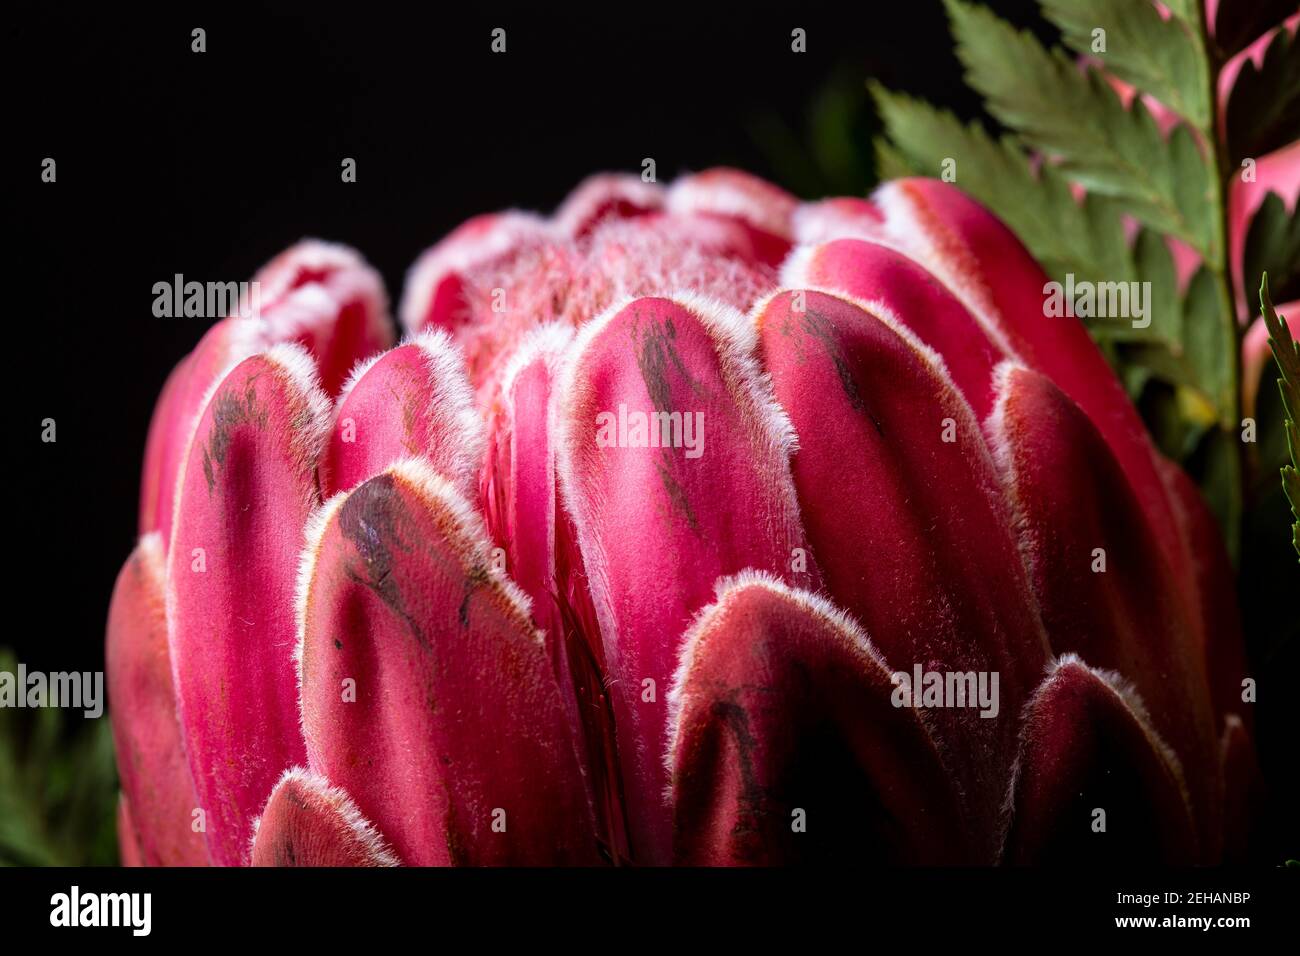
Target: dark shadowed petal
(1220, 615)
(1103, 586)
(1245, 799)
(1094, 782)
(909, 522)
(786, 747)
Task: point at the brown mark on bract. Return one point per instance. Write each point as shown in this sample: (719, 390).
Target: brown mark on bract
(409, 403)
(676, 493)
(656, 355)
(229, 412)
(733, 720)
(477, 576)
(369, 519)
(656, 352)
(457, 845)
(820, 327)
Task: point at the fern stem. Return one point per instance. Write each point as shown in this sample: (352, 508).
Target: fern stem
(1221, 267)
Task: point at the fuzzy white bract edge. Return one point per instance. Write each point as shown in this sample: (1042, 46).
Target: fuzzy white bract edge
(579, 206)
(338, 800)
(726, 591)
(907, 231)
(459, 253)
(456, 438)
(1129, 700)
(474, 547)
(733, 194)
(546, 343)
(299, 369)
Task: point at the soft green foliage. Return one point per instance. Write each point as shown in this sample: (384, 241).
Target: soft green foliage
(58, 787)
(1160, 57)
(1076, 118)
(1066, 127)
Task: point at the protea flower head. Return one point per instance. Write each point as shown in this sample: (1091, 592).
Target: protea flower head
(689, 525)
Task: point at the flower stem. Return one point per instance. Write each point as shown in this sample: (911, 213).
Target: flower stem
(1230, 455)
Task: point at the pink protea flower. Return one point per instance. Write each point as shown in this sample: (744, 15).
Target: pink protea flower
(621, 555)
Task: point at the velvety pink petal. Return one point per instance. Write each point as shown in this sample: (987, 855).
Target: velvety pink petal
(414, 400)
(662, 255)
(327, 298)
(146, 733)
(245, 495)
(605, 196)
(1088, 746)
(492, 298)
(658, 525)
(222, 347)
(521, 502)
(163, 431)
(905, 512)
(766, 211)
(520, 497)
(497, 277)
(836, 218)
(452, 283)
(1072, 498)
(786, 748)
(889, 283)
(426, 693)
(309, 823)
